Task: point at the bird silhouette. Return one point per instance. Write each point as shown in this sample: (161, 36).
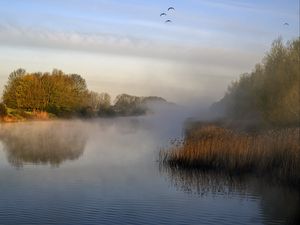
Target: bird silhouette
(171, 8)
(168, 21)
(163, 14)
(286, 24)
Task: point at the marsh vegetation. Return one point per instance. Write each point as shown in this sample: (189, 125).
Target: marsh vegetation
(274, 153)
(257, 130)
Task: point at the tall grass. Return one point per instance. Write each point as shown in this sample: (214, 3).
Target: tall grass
(274, 153)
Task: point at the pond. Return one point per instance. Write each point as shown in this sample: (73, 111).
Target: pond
(106, 171)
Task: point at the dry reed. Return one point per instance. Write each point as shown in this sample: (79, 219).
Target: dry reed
(274, 153)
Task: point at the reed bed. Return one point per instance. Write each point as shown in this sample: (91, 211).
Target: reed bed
(274, 153)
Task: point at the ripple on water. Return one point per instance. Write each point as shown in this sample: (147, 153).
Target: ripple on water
(111, 177)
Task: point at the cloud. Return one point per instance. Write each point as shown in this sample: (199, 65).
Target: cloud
(124, 45)
(174, 70)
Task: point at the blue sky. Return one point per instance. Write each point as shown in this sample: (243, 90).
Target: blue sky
(125, 46)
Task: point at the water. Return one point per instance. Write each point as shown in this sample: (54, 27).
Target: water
(106, 172)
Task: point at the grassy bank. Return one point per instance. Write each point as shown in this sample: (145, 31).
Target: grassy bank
(272, 153)
(15, 115)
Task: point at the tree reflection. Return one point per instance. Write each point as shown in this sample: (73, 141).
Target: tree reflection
(196, 181)
(42, 143)
(278, 203)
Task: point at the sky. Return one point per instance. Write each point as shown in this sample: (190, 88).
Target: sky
(124, 46)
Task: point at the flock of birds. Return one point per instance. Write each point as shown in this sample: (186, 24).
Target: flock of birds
(170, 9)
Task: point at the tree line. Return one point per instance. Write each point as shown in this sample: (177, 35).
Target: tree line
(66, 95)
(271, 92)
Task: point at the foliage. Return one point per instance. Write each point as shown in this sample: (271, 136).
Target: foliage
(3, 110)
(57, 92)
(271, 92)
(10, 90)
(132, 105)
(128, 105)
(67, 95)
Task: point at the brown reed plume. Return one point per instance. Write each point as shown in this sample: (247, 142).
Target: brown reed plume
(274, 153)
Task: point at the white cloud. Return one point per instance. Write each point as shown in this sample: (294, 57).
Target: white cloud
(124, 45)
(118, 63)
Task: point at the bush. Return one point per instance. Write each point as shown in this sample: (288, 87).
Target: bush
(3, 110)
(86, 112)
(106, 112)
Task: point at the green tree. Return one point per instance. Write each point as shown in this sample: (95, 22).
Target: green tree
(58, 93)
(271, 91)
(10, 90)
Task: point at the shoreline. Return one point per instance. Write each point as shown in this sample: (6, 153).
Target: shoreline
(52, 117)
(16, 116)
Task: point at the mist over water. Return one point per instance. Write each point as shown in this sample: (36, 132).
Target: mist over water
(43, 143)
(105, 171)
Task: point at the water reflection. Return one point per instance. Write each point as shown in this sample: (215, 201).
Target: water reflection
(116, 181)
(45, 143)
(203, 183)
(279, 204)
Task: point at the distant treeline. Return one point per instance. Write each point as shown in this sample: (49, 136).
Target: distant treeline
(66, 95)
(269, 94)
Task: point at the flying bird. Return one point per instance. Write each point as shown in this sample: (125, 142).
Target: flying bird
(168, 21)
(171, 8)
(286, 24)
(163, 14)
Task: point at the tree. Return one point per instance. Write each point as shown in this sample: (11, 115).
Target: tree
(127, 105)
(10, 90)
(105, 108)
(104, 101)
(94, 100)
(58, 93)
(271, 91)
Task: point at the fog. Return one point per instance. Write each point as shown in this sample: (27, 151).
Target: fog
(53, 142)
(75, 166)
(115, 152)
(42, 142)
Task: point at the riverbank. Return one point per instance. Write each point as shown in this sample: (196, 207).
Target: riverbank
(271, 153)
(15, 115)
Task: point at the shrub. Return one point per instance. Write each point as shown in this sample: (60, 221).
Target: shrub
(3, 110)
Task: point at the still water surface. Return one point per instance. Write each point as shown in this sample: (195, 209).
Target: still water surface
(106, 172)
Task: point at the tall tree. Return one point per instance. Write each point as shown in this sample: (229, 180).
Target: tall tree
(271, 91)
(10, 90)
